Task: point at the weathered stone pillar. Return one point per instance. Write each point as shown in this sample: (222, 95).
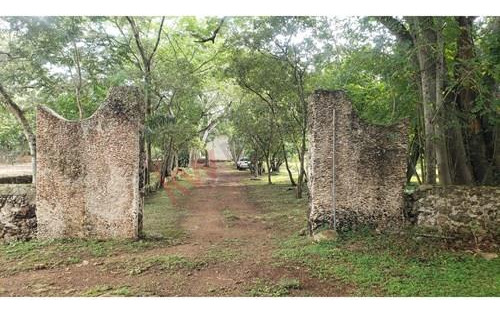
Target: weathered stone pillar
(88, 182)
(356, 170)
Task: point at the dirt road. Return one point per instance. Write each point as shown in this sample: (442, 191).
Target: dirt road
(226, 251)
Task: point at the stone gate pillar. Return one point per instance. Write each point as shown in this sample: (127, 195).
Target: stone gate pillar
(357, 171)
(89, 172)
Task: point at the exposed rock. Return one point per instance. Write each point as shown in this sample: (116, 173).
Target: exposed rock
(325, 235)
(303, 232)
(461, 211)
(488, 256)
(17, 212)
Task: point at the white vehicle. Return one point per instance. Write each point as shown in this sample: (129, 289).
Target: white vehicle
(243, 163)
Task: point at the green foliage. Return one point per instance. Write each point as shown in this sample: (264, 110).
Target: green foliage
(378, 76)
(263, 288)
(251, 82)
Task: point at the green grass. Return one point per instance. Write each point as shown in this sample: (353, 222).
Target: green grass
(373, 264)
(162, 218)
(393, 266)
(229, 217)
(229, 250)
(105, 290)
(265, 288)
(163, 263)
(22, 256)
(161, 228)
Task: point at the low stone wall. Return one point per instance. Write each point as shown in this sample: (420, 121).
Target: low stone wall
(458, 211)
(17, 212)
(16, 179)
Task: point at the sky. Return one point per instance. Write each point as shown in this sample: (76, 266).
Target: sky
(250, 7)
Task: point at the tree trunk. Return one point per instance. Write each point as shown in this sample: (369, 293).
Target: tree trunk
(268, 165)
(302, 153)
(441, 148)
(492, 130)
(467, 97)
(79, 82)
(147, 96)
(207, 160)
(461, 172)
(27, 130)
(290, 175)
(146, 70)
(165, 172)
(425, 41)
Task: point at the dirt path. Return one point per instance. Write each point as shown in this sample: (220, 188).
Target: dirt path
(10, 170)
(227, 252)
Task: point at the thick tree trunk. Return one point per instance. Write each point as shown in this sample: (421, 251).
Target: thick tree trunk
(466, 100)
(461, 172)
(27, 130)
(425, 41)
(441, 148)
(268, 166)
(492, 131)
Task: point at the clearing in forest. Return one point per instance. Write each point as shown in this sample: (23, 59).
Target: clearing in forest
(215, 232)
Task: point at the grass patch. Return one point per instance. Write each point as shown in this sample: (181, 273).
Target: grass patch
(278, 206)
(105, 290)
(230, 218)
(162, 218)
(265, 288)
(375, 265)
(387, 265)
(37, 254)
(224, 252)
(161, 228)
(165, 263)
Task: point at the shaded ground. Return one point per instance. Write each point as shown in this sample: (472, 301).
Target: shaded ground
(217, 233)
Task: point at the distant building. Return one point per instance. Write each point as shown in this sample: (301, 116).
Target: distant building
(218, 148)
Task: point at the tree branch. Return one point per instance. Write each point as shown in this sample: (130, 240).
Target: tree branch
(138, 42)
(157, 40)
(397, 28)
(214, 34)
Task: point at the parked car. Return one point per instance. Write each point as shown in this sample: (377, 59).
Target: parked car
(243, 164)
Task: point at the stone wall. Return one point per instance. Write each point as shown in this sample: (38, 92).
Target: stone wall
(357, 170)
(89, 172)
(458, 211)
(17, 212)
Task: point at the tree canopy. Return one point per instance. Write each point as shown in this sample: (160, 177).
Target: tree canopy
(250, 78)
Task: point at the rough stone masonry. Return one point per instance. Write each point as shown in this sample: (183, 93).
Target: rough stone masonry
(89, 171)
(464, 212)
(17, 212)
(357, 170)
